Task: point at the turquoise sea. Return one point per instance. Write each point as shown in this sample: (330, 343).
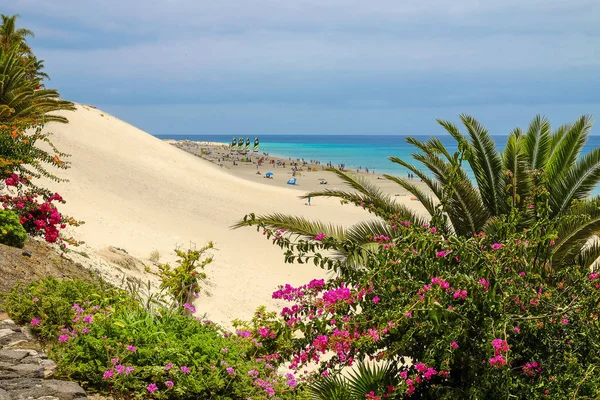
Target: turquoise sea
(354, 151)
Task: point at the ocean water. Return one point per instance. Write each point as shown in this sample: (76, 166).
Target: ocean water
(352, 150)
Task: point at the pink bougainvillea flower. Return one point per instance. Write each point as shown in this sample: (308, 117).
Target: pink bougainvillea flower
(454, 345)
(152, 388)
(376, 300)
(564, 321)
(517, 329)
(320, 236)
(496, 246)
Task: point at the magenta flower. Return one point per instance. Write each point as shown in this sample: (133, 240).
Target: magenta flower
(129, 370)
(189, 307)
(454, 345)
(131, 348)
(185, 370)
(376, 300)
(485, 283)
(114, 360)
(152, 388)
(168, 366)
(517, 329)
(497, 361)
(88, 319)
(408, 314)
(253, 373)
(169, 384)
(35, 299)
(85, 330)
(63, 338)
(442, 253)
(35, 322)
(320, 236)
(108, 374)
(594, 275)
(230, 371)
(564, 321)
(120, 369)
(496, 246)
(244, 334)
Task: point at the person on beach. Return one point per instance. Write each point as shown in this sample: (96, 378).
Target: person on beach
(308, 199)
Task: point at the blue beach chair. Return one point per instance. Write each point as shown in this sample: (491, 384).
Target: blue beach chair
(292, 181)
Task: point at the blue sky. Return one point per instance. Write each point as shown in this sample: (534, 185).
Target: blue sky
(321, 66)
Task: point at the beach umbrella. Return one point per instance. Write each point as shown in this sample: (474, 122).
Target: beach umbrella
(240, 144)
(255, 144)
(247, 144)
(233, 144)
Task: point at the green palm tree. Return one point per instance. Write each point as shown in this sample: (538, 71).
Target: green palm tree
(357, 385)
(536, 163)
(22, 97)
(11, 36)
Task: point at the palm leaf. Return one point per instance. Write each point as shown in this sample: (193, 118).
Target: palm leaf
(297, 225)
(516, 168)
(367, 193)
(575, 183)
(329, 388)
(486, 164)
(566, 147)
(538, 142)
(576, 228)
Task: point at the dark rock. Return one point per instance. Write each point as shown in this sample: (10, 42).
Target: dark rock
(9, 375)
(28, 370)
(19, 384)
(27, 253)
(12, 355)
(63, 389)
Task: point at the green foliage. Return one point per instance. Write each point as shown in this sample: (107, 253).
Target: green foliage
(366, 379)
(482, 317)
(183, 282)
(12, 232)
(51, 301)
(104, 338)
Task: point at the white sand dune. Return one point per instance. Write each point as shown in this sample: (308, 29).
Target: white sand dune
(139, 193)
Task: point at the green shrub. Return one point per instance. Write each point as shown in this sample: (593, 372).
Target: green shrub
(12, 232)
(112, 343)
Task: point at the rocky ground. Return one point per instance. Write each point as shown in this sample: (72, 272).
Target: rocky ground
(25, 372)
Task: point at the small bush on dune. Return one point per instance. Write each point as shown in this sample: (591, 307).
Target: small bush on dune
(12, 232)
(154, 256)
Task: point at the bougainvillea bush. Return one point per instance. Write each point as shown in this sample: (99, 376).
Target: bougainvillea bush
(487, 317)
(105, 339)
(21, 160)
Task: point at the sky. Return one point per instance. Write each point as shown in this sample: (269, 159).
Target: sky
(320, 66)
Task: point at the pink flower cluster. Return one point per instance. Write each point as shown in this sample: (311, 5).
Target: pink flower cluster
(320, 236)
(595, 276)
(532, 368)
(460, 294)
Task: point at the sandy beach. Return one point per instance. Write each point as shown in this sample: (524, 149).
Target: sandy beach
(140, 193)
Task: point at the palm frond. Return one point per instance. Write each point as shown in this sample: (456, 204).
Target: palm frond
(589, 255)
(297, 225)
(426, 200)
(576, 228)
(516, 168)
(367, 193)
(566, 147)
(465, 207)
(538, 141)
(367, 378)
(330, 388)
(575, 183)
(434, 186)
(486, 164)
